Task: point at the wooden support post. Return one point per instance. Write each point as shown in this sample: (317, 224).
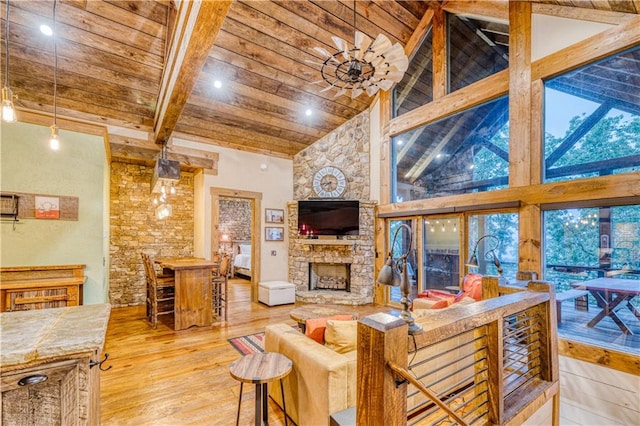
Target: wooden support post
(495, 371)
(382, 338)
(490, 287)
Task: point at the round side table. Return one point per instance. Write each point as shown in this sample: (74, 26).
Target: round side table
(261, 368)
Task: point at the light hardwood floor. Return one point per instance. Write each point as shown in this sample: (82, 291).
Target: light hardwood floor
(167, 377)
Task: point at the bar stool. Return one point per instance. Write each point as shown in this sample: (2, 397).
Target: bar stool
(261, 368)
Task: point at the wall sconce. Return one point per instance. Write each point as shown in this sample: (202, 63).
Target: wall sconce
(395, 273)
(225, 241)
(473, 261)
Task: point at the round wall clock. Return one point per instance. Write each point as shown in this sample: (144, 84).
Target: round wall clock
(329, 182)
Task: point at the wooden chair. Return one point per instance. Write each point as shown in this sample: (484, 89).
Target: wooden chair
(220, 281)
(160, 292)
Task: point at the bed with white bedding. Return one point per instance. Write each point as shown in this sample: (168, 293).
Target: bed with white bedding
(242, 258)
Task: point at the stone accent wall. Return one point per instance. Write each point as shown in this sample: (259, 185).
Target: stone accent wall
(357, 250)
(346, 148)
(134, 228)
(235, 218)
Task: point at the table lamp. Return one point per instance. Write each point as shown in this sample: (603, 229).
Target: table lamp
(473, 261)
(395, 273)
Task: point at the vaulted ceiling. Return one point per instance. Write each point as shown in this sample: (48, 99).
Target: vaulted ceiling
(129, 65)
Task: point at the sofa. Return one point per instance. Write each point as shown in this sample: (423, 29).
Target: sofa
(437, 299)
(322, 381)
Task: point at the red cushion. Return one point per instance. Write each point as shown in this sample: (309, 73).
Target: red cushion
(471, 287)
(315, 327)
(442, 303)
(435, 294)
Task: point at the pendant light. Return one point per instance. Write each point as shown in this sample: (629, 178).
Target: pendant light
(8, 110)
(54, 142)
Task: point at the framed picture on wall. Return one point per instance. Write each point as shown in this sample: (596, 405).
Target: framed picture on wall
(274, 233)
(274, 215)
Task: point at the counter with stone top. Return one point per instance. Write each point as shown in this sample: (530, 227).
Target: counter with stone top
(45, 364)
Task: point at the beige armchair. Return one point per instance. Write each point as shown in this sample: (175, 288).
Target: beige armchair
(322, 381)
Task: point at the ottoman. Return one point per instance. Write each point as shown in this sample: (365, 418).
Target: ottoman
(273, 293)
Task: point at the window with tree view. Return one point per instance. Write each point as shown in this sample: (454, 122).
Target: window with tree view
(592, 119)
(592, 255)
(466, 152)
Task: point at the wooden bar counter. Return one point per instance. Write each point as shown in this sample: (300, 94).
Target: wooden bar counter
(37, 287)
(193, 304)
(46, 368)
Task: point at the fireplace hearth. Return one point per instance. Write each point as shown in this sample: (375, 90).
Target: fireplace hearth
(329, 276)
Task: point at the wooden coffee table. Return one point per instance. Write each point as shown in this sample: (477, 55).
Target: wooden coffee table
(306, 312)
(261, 368)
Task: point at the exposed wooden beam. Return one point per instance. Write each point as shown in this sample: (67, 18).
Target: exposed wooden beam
(472, 95)
(582, 14)
(236, 146)
(494, 9)
(604, 44)
(141, 151)
(599, 189)
(520, 84)
(195, 32)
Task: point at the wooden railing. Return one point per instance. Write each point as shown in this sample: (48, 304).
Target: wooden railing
(490, 362)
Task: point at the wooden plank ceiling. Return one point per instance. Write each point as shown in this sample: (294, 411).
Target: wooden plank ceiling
(112, 57)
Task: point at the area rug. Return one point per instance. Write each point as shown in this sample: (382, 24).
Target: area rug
(250, 344)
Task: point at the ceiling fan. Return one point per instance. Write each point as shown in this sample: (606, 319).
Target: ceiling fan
(368, 66)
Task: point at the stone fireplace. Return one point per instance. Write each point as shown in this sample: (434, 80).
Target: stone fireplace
(347, 264)
(329, 276)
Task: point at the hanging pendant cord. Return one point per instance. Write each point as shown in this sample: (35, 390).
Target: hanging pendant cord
(55, 65)
(6, 44)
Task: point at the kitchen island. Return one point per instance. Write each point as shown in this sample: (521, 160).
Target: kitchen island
(49, 365)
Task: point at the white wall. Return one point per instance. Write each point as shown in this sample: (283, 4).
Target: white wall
(550, 34)
(241, 170)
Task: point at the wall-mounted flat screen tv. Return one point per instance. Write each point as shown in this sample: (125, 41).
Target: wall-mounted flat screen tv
(328, 217)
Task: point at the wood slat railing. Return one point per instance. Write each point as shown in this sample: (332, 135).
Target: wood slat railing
(490, 362)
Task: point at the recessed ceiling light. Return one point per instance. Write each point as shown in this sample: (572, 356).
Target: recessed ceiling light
(46, 30)
(217, 84)
(308, 112)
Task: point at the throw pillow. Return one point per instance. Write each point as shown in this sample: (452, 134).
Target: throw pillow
(471, 287)
(341, 336)
(315, 327)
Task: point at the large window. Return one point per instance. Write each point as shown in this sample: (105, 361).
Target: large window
(404, 242)
(594, 253)
(495, 240)
(592, 119)
(467, 152)
(416, 87)
(441, 254)
(477, 48)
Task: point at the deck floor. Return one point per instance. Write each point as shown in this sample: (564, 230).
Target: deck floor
(605, 334)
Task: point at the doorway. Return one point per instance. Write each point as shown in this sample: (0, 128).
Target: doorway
(221, 234)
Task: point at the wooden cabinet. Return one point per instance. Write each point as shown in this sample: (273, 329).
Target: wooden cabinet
(46, 372)
(53, 394)
(37, 287)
